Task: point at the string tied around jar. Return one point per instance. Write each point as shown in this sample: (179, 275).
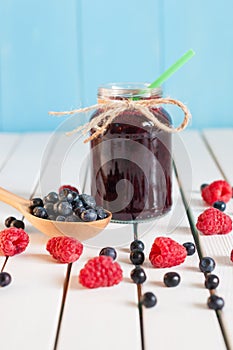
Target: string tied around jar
(110, 110)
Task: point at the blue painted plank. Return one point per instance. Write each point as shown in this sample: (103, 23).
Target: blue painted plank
(39, 62)
(205, 83)
(121, 43)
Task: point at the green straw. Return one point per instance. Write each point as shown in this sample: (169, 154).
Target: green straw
(178, 64)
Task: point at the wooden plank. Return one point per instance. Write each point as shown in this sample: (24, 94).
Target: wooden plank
(7, 145)
(220, 143)
(205, 170)
(97, 317)
(32, 301)
(166, 325)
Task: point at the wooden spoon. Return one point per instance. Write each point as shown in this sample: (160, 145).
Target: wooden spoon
(80, 230)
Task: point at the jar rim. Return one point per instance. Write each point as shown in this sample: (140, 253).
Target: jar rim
(128, 89)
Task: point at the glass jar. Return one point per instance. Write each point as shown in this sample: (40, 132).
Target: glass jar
(131, 166)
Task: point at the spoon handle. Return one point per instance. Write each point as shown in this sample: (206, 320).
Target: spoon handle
(12, 199)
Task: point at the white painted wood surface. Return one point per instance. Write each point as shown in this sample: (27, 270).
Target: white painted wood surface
(108, 317)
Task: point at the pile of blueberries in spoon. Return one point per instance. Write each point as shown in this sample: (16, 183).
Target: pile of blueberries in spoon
(67, 205)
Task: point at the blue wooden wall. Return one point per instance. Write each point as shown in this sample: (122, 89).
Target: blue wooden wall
(55, 53)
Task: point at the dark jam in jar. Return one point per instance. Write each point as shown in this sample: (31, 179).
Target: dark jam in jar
(131, 167)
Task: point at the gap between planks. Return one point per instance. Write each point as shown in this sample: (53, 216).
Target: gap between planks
(195, 231)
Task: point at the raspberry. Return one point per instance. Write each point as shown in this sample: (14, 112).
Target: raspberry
(13, 241)
(165, 252)
(232, 255)
(218, 190)
(69, 187)
(213, 222)
(64, 249)
(100, 271)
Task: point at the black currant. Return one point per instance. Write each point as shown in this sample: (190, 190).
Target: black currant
(109, 251)
(35, 202)
(215, 302)
(5, 279)
(148, 299)
(190, 247)
(9, 220)
(137, 257)
(138, 275)
(220, 205)
(203, 186)
(207, 264)
(171, 279)
(211, 281)
(137, 244)
(18, 224)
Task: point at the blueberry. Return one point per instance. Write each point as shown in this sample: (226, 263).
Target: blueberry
(190, 247)
(77, 204)
(5, 279)
(211, 281)
(137, 244)
(52, 217)
(35, 202)
(220, 205)
(75, 196)
(52, 197)
(9, 220)
(137, 257)
(138, 275)
(171, 279)
(66, 195)
(88, 200)
(89, 215)
(203, 186)
(55, 207)
(207, 264)
(215, 302)
(49, 208)
(72, 218)
(148, 299)
(60, 218)
(18, 224)
(78, 211)
(64, 208)
(101, 213)
(40, 212)
(109, 251)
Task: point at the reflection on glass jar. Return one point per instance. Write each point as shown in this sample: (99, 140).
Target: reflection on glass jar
(131, 166)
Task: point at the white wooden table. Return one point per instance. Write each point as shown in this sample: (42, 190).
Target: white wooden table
(45, 307)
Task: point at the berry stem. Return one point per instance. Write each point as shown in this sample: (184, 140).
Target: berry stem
(4, 264)
(135, 231)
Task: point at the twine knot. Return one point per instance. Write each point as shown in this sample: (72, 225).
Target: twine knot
(110, 110)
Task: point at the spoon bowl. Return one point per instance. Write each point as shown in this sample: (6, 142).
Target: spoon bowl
(79, 230)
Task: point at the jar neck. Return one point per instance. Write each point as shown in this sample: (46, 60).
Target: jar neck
(125, 91)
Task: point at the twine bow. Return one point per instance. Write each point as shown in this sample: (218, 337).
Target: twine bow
(110, 110)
